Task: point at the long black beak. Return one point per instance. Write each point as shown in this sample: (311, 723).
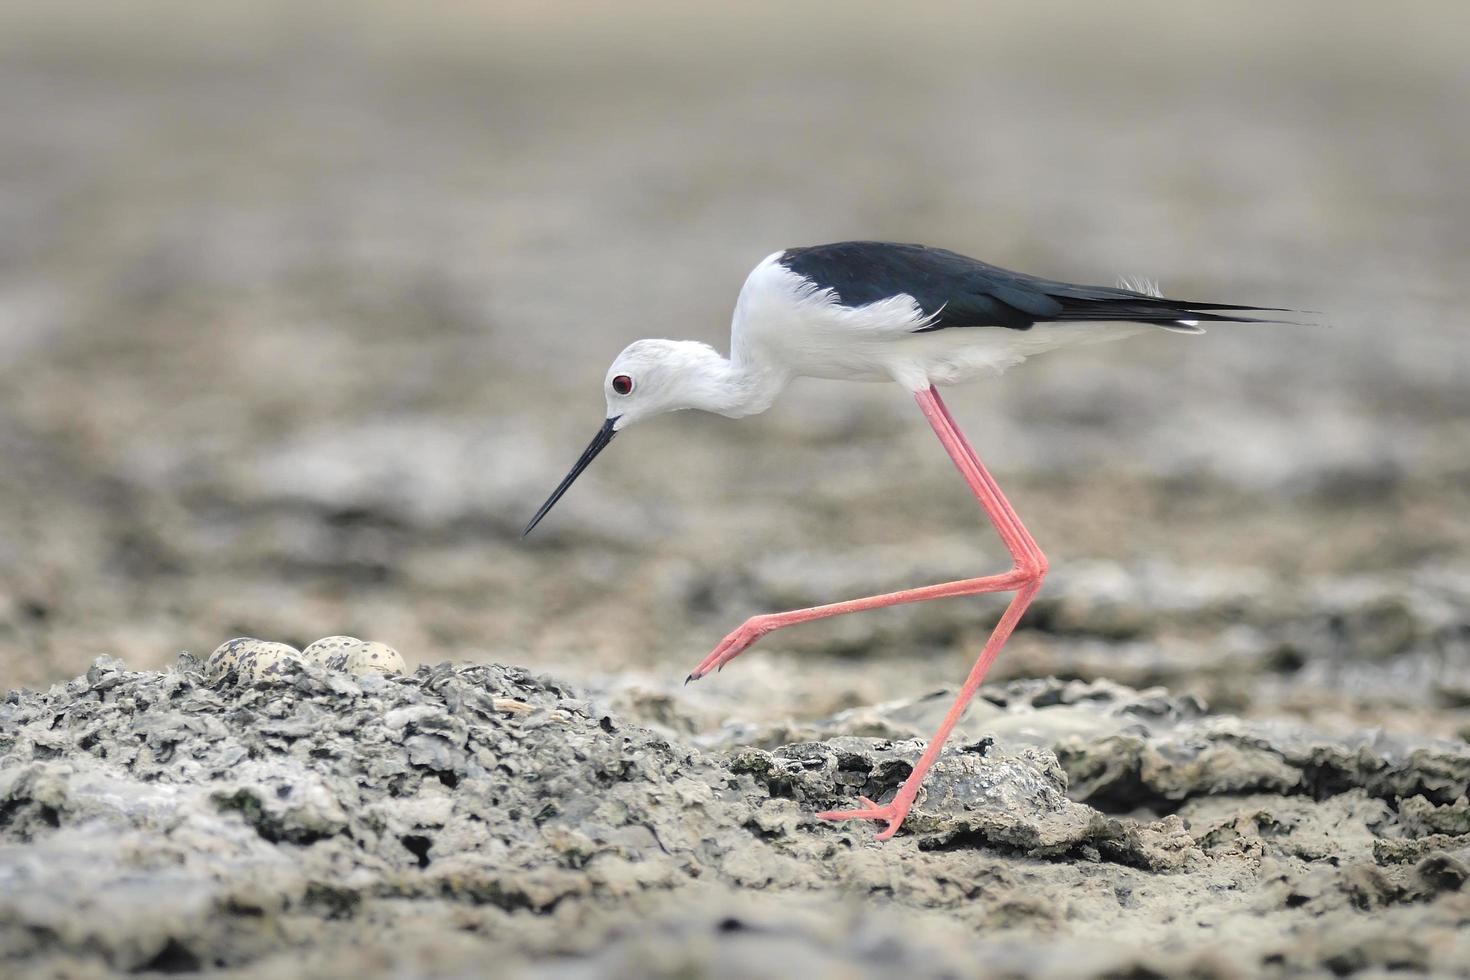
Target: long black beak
(598, 444)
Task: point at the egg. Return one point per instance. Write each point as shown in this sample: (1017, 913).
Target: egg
(322, 652)
(375, 658)
(251, 659)
(254, 659)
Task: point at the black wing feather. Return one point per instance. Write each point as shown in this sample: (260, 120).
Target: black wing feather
(954, 290)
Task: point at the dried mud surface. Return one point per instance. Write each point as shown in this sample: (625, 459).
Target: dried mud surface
(153, 822)
(304, 309)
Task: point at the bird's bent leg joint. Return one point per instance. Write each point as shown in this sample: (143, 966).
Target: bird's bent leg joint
(758, 626)
(1032, 567)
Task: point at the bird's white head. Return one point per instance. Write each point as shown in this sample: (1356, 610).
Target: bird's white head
(651, 377)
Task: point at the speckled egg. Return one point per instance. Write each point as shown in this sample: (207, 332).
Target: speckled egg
(329, 648)
(374, 658)
(226, 656)
(251, 659)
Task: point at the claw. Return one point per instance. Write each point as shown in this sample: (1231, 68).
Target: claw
(889, 813)
(730, 647)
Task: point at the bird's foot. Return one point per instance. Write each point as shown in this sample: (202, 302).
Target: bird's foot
(733, 646)
(893, 813)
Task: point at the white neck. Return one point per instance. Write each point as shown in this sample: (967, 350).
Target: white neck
(735, 387)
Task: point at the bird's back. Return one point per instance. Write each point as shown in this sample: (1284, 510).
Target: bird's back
(955, 291)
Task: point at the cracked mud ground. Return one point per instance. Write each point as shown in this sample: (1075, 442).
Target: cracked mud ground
(302, 313)
(413, 823)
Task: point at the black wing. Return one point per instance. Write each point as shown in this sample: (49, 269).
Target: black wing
(957, 291)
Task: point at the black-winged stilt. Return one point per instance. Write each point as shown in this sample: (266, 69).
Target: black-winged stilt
(876, 311)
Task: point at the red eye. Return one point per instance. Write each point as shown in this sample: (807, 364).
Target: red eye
(622, 384)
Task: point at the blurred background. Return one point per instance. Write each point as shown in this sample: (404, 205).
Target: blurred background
(304, 308)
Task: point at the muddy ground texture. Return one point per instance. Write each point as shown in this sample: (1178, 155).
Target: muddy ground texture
(154, 822)
(303, 312)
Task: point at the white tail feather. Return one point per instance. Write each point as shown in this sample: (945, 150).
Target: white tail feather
(1150, 287)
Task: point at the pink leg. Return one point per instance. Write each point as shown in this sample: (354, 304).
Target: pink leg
(1028, 569)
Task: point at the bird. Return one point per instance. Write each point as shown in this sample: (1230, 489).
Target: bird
(919, 316)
